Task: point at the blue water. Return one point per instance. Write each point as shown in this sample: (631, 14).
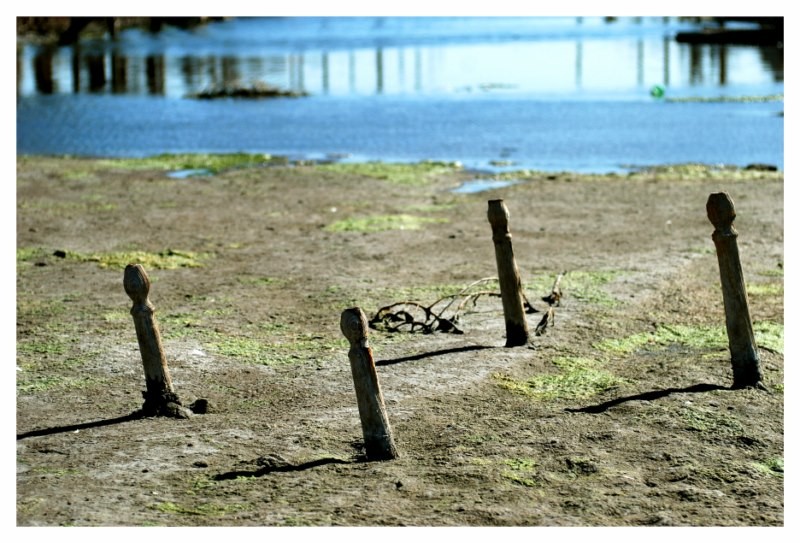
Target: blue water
(550, 94)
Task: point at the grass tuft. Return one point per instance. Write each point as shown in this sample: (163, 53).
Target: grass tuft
(380, 223)
(214, 163)
(579, 378)
(767, 334)
(418, 173)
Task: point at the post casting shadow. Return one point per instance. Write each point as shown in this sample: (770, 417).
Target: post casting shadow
(75, 427)
(288, 467)
(433, 353)
(647, 396)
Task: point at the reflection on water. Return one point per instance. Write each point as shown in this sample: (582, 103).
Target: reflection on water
(403, 56)
(556, 94)
(480, 185)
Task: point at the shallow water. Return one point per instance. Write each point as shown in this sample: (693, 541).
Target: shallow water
(542, 93)
(480, 185)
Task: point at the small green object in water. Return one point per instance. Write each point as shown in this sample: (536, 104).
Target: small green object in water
(657, 91)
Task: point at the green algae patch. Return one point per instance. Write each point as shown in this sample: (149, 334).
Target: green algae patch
(728, 99)
(702, 420)
(418, 173)
(426, 293)
(770, 466)
(26, 254)
(164, 260)
(254, 351)
(765, 289)
(201, 510)
(264, 352)
(690, 336)
(34, 347)
(169, 259)
(34, 382)
(520, 471)
(381, 223)
(767, 334)
(264, 281)
(693, 171)
(269, 344)
(772, 272)
(213, 163)
(432, 208)
(586, 286)
(579, 378)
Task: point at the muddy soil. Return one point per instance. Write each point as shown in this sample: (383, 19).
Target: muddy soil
(620, 414)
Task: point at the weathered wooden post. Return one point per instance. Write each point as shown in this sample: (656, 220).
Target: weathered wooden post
(159, 398)
(744, 353)
(374, 422)
(508, 274)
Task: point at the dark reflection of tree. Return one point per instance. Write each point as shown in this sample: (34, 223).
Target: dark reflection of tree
(301, 61)
(155, 74)
(255, 67)
(417, 70)
(379, 69)
(722, 53)
(97, 72)
(119, 73)
(296, 68)
(43, 70)
(19, 69)
(230, 70)
(325, 74)
(76, 68)
(639, 59)
(695, 64)
(351, 70)
(136, 70)
(773, 58)
(211, 70)
(189, 69)
(401, 68)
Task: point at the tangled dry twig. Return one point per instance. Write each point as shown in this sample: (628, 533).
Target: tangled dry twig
(553, 300)
(444, 314)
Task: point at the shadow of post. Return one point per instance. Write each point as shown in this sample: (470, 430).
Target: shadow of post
(647, 396)
(83, 426)
(441, 352)
(266, 470)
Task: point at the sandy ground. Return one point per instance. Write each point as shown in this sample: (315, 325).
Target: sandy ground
(620, 414)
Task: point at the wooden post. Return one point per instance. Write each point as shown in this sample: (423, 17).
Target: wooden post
(744, 353)
(159, 398)
(374, 422)
(508, 274)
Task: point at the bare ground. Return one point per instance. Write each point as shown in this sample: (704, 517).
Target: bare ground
(621, 414)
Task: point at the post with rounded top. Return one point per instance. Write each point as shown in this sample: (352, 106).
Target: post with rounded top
(160, 397)
(508, 275)
(741, 340)
(378, 439)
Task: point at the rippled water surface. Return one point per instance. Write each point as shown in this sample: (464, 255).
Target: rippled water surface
(494, 93)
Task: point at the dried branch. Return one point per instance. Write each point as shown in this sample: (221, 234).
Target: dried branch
(444, 314)
(548, 319)
(554, 298)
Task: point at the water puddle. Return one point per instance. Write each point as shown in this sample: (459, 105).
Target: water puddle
(480, 185)
(183, 174)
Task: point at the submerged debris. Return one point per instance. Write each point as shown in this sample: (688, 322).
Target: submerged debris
(255, 90)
